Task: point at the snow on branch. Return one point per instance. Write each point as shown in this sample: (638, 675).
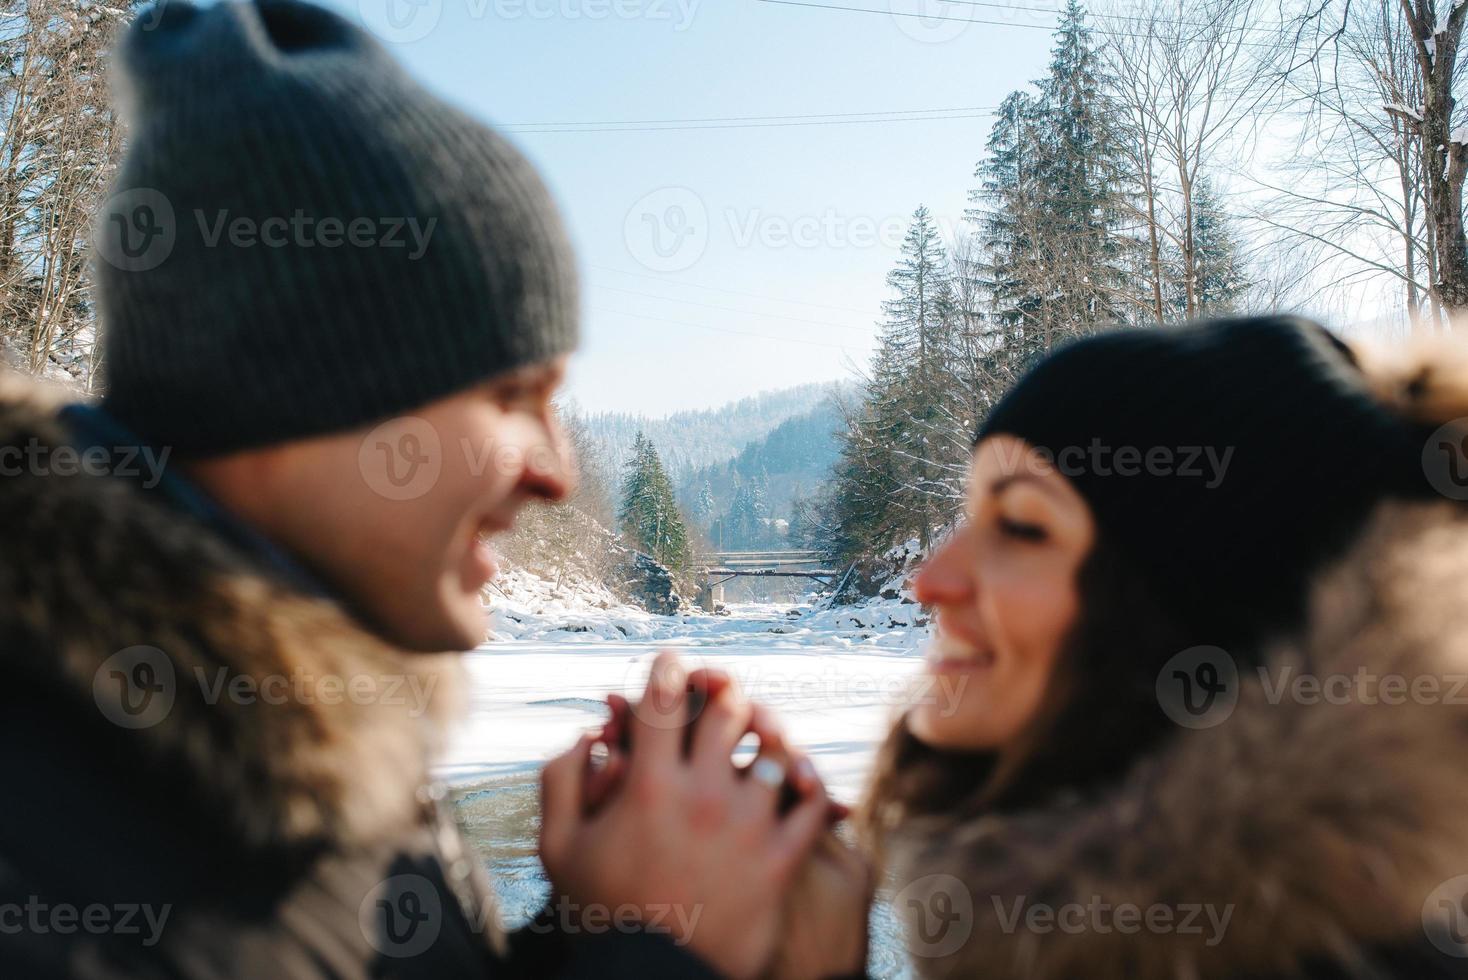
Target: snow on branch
(1396, 108)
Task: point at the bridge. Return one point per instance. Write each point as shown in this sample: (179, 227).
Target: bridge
(725, 566)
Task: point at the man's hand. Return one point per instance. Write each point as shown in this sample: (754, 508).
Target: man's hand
(688, 840)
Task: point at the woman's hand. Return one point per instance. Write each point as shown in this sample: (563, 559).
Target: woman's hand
(826, 918)
(696, 848)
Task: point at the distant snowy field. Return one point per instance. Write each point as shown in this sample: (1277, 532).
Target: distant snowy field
(834, 676)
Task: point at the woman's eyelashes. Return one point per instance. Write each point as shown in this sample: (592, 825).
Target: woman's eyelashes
(1022, 530)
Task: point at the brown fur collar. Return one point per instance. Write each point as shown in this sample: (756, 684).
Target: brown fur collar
(1320, 830)
(93, 565)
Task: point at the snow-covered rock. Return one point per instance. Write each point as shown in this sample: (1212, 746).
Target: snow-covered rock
(524, 606)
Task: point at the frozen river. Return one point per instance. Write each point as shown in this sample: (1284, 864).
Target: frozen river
(834, 684)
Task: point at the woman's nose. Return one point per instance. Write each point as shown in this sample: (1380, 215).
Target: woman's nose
(947, 576)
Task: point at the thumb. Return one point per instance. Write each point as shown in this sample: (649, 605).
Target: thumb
(561, 783)
(799, 830)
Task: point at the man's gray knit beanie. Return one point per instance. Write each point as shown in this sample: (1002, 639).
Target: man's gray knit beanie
(303, 240)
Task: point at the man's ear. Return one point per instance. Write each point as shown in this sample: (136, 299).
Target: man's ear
(1424, 380)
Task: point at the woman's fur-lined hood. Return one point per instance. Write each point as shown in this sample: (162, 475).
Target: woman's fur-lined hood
(293, 721)
(1312, 823)
(1321, 820)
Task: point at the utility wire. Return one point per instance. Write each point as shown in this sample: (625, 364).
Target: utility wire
(731, 292)
(730, 309)
(737, 333)
(715, 119)
(529, 129)
(1131, 18)
(970, 20)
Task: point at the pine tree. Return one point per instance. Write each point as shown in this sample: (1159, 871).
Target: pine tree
(914, 401)
(1219, 275)
(1051, 205)
(1081, 178)
(1006, 210)
(649, 513)
(900, 463)
(703, 507)
(759, 508)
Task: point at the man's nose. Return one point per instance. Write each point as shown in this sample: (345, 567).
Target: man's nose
(550, 471)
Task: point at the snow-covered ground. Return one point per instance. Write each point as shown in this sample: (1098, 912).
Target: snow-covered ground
(835, 677)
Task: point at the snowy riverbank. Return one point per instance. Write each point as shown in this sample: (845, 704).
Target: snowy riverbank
(834, 676)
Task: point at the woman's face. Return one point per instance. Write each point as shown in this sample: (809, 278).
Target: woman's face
(1004, 591)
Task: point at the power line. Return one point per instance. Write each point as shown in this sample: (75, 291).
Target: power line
(970, 20)
(674, 126)
(730, 309)
(737, 333)
(902, 13)
(731, 292)
(1102, 15)
(713, 119)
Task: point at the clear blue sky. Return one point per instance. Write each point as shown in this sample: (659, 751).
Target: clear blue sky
(795, 225)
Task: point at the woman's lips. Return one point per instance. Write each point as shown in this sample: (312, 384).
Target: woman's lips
(947, 654)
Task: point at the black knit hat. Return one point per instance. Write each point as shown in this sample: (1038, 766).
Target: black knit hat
(302, 239)
(1227, 461)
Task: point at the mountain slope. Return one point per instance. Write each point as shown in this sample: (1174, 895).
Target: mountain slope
(793, 459)
(690, 441)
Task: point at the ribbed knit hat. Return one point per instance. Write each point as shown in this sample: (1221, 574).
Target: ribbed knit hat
(1228, 461)
(302, 239)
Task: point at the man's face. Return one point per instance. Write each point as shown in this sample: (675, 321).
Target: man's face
(396, 517)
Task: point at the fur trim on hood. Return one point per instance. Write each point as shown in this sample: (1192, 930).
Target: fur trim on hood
(94, 568)
(1306, 828)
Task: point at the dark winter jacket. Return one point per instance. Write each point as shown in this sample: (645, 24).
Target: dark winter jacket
(188, 793)
(1317, 832)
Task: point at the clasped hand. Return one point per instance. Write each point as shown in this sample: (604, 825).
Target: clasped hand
(668, 824)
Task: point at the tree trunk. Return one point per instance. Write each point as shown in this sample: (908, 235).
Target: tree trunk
(1446, 162)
